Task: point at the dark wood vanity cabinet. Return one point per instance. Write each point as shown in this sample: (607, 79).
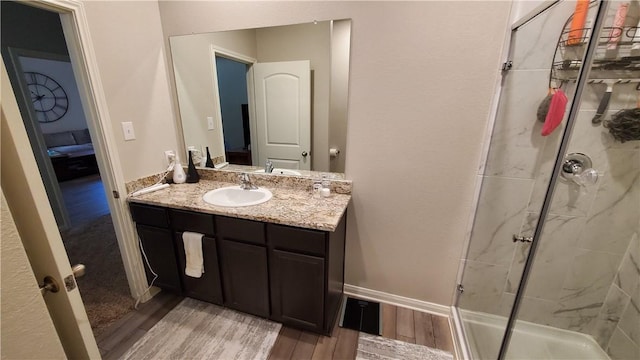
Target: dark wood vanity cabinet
(157, 248)
(244, 265)
(207, 287)
(306, 269)
(287, 274)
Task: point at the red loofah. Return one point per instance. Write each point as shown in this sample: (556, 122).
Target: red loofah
(556, 112)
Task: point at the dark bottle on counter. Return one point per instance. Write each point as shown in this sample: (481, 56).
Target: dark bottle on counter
(192, 173)
(209, 162)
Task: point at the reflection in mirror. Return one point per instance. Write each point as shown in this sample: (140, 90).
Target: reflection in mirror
(275, 94)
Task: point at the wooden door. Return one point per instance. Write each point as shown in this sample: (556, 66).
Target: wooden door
(34, 219)
(283, 113)
(25, 319)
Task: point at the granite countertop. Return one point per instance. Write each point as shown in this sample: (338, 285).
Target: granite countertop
(288, 206)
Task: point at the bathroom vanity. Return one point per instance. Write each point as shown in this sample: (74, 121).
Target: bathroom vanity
(282, 260)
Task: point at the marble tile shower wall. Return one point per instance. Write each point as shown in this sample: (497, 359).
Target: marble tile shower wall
(576, 279)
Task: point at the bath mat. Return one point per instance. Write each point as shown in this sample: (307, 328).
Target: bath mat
(378, 348)
(361, 315)
(199, 330)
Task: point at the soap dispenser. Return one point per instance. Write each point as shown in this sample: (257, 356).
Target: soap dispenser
(209, 162)
(179, 176)
(192, 173)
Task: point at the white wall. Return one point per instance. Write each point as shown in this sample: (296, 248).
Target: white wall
(338, 103)
(420, 98)
(128, 43)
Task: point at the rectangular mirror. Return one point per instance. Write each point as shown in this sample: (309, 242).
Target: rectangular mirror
(275, 94)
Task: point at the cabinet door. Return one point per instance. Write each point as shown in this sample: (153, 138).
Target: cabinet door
(297, 289)
(207, 287)
(244, 276)
(158, 247)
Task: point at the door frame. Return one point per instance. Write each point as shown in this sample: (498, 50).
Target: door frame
(232, 55)
(85, 68)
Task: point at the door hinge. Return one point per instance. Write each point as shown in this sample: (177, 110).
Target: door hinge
(116, 194)
(460, 288)
(506, 66)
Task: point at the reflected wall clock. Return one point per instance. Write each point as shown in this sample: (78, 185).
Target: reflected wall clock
(49, 99)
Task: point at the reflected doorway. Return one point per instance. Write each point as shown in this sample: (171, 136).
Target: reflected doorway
(234, 100)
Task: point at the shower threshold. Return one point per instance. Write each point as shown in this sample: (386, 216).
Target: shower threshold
(484, 334)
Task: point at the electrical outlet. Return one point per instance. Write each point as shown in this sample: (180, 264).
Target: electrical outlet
(169, 156)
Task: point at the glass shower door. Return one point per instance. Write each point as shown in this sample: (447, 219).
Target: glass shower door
(582, 293)
(518, 166)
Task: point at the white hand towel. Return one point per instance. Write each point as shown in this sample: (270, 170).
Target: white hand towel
(193, 251)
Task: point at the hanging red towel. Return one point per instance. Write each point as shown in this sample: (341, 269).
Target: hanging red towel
(556, 112)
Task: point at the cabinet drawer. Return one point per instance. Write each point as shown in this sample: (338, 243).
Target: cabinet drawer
(191, 221)
(296, 239)
(149, 215)
(240, 229)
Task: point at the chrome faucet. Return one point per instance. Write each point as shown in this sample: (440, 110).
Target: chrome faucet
(246, 182)
(268, 168)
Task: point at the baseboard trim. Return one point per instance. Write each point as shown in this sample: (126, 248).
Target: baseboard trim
(369, 294)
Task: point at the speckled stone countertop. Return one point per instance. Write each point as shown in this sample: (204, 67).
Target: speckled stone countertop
(290, 205)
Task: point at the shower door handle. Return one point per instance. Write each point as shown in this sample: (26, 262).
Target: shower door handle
(520, 238)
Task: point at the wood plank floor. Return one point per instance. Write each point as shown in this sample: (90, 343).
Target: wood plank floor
(122, 334)
(397, 323)
(84, 199)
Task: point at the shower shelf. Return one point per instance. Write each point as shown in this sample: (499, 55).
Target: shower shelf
(621, 62)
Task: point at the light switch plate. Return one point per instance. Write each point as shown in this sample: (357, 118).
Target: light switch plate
(127, 130)
(210, 124)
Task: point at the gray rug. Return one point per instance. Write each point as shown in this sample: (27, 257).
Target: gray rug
(372, 347)
(199, 330)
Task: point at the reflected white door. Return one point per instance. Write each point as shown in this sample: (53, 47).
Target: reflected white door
(29, 205)
(283, 113)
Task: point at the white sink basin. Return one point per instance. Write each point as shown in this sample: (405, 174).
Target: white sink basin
(279, 171)
(233, 196)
